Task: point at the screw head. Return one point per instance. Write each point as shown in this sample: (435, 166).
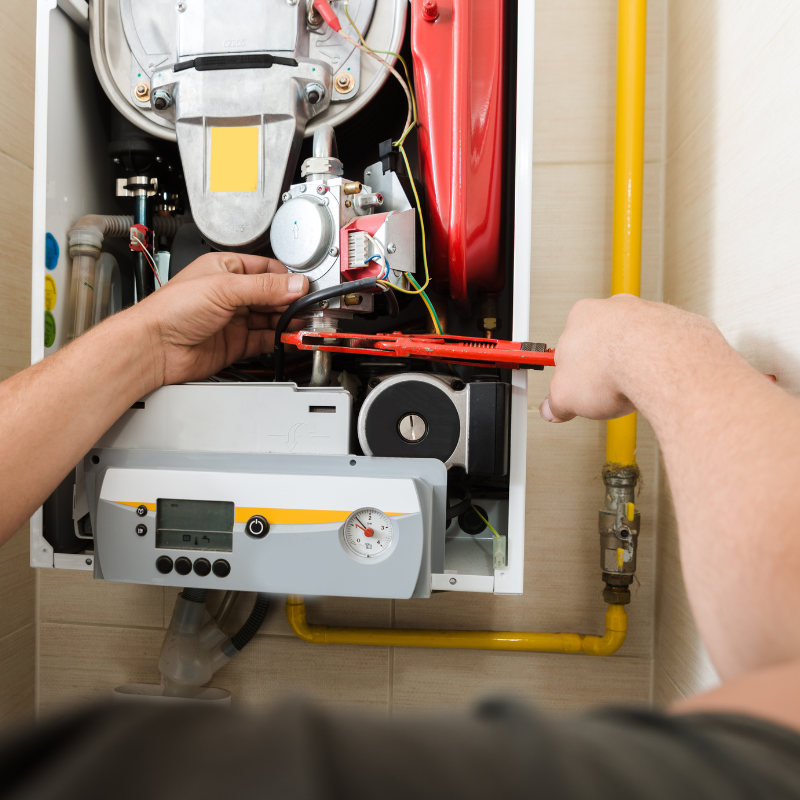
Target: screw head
(286, 196)
(452, 581)
(142, 91)
(323, 303)
(322, 188)
(303, 188)
(181, 7)
(391, 247)
(89, 561)
(334, 251)
(344, 83)
(116, 161)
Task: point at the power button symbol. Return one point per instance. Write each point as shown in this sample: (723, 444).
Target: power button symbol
(257, 527)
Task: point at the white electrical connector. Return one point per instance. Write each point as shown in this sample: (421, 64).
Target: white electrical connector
(357, 248)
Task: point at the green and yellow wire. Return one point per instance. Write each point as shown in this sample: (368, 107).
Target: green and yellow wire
(399, 145)
(488, 524)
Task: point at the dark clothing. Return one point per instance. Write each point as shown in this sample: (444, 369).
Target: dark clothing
(303, 752)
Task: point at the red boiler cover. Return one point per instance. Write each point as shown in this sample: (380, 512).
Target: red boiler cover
(459, 76)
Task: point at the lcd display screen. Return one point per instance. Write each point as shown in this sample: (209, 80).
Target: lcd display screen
(194, 525)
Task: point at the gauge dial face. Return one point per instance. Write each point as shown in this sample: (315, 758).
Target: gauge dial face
(368, 533)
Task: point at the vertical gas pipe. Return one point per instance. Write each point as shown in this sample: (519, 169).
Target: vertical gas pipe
(619, 521)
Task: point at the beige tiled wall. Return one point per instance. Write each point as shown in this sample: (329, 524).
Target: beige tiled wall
(95, 636)
(731, 230)
(17, 595)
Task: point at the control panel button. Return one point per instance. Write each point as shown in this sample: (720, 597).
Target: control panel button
(221, 568)
(202, 567)
(183, 566)
(257, 527)
(141, 529)
(164, 565)
(141, 511)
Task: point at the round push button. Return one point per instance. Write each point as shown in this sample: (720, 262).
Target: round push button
(257, 527)
(202, 567)
(183, 566)
(164, 565)
(141, 511)
(141, 530)
(221, 568)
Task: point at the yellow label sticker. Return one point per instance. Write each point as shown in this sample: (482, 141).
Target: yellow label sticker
(234, 159)
(50, 293)
(620, 557)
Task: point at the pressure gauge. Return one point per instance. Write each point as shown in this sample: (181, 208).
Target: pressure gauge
(368, 533)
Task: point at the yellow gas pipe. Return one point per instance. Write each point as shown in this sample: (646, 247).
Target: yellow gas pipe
(621, 434)
(626, 260)
(616, 626)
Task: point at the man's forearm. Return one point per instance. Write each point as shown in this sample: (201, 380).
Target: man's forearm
(731, 445)
(54, 411)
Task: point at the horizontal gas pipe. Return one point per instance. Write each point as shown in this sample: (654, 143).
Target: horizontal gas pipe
(518, 641)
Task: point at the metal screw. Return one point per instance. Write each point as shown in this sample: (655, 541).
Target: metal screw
(116, 161)
(344, 83)
(452, 581)
(334, 251)
(286, 196)
(412, 428)
(89, 561)
(142, 91)
(181, 7)
(314, 92)
(162, 99)
(323, 303)
(391, 247)
(322, 188)
(353, 299)
(303, 189)
(368, 173)
(348, 203)
(159, 159)
(373, 382)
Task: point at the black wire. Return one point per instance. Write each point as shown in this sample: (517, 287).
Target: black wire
(310, 300)
(459, 508)
(252, 624)
(391, 301)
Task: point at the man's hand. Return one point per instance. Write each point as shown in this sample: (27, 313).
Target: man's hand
(602, 353)
(219, 309)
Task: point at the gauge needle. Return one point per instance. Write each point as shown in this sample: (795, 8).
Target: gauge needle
(367, 531)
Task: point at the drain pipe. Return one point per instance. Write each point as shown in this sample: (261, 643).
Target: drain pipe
(192, 652)
(619, 520)
(85, 244)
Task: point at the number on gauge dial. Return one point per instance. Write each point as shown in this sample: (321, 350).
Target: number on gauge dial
(368, 532)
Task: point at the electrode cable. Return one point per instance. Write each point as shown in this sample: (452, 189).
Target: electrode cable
(309, 300)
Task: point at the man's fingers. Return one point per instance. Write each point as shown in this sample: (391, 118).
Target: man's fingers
(548, 414)
(267, 289)
(258, 320)
(259, 342)
(257, 265)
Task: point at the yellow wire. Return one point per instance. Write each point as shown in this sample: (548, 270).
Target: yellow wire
(422, 227)
(488, 524)
(405, 69)
(399, 145)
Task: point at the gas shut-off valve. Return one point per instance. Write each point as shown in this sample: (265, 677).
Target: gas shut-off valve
(619, 533)
(334, 230)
